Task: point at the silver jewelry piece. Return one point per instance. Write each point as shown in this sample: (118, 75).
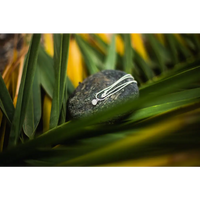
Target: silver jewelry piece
(110, 91)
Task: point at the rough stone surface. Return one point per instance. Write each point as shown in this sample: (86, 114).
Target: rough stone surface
(80, 102)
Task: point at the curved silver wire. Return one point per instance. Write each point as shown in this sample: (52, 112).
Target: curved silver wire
(110, 91)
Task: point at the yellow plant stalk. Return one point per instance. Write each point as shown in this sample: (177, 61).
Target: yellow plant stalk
(14, 78)
(48, 44)
(14, 75)
(16, 72)
(75, 67)
(161, 38)
(46, 112)
(189, 158)
(94, 43)
(138, 45)
(180, 39)
(104, 36)
(85, 36)
(119, 45)
(18, 81)
(97, 45)
(143, 162)
(7, 76)
(7, 72)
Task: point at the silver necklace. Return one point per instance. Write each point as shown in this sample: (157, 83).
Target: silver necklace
(106, 92)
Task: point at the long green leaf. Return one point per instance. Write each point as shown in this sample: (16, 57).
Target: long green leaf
(33, 112)
(55, 109)
(105, 47)
(100, 41)
(177, 49)
(160, 100)
(166, 103)
(111, 57)
(63, 113)
(63, 76)
(158, 109)
(90, 58)
(73, 130)
(55, 156)
(145, 68)
(61, 48)
(114, 133)
(128, 56)
(6, 102)
(159, 51)
(95, 52)
(25, 90)
(141, 142)
(196, 41)
(47, 74)
(172, 47)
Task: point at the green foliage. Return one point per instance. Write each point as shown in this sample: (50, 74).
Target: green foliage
(6, 104)
(34, 110)
(111, 57)
(128, 56)
(163, 120)
(25, 90)
(61, 48)
(91, 59)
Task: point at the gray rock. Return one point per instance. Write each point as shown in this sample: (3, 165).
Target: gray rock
(80, 102)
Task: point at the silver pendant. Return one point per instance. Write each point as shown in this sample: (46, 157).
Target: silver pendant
(106, 92)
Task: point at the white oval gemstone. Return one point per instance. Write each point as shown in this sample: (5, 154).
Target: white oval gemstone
(94, 102)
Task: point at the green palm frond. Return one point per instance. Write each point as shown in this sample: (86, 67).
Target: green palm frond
(162, 123)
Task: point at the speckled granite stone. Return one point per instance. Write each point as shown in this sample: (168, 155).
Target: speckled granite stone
(80, 102)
